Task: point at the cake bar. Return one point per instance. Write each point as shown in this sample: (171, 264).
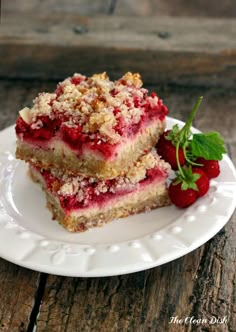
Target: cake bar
(91, 125)
(80, 203)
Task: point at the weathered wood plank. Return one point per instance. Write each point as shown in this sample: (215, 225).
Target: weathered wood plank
(214, 290)
(17, 296)
(176, 8)
(16, 94)
(19, 286)
(188, 51)
(82, 7)
(128, 7)
(142, 301)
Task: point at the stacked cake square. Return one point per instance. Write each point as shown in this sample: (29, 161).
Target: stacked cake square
(90, 145)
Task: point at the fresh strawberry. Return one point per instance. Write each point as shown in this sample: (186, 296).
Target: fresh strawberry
(202, 182)
(189, 184)
(167, 151)
(181, 198)
(210, 167)
(186, 151)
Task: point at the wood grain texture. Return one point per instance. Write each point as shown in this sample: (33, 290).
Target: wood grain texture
(82, 7)
(142, 301)
(180, 51)
(14, 95)
(200, 284)
(218, 278)
(18, 293)
(200, 8)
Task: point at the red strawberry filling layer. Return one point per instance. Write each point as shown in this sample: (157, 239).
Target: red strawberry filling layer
(88, 194)
(76, 138)
(44, 131)
(92, 113)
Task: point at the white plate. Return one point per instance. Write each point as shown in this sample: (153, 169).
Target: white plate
(28, 236)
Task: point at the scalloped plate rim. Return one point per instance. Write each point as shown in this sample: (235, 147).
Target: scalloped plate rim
(59, 268)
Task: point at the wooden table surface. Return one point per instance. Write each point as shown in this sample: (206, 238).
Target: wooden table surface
(201, 284)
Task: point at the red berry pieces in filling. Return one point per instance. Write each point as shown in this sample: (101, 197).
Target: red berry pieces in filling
(52, 125)
(76, 80)
(181, 198)
(76, 138)
(73, 136)
(70, 202)
(21, 126)
(59, 91)
(152, 111)
(210, 167)
(167, 151)
(42, 134)
(43, 128)
(105, 148)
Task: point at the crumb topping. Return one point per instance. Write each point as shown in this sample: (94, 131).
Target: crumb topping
(95, 104)
(133, 79)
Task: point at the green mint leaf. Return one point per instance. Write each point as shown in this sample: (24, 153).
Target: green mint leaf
(208, 145)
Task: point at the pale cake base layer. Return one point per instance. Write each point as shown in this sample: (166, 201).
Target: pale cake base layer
(150, 196)
(89, 164)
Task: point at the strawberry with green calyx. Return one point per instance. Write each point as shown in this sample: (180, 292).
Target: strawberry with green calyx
(198, 150)
(189, 184)
(187, 178)
(181, 198)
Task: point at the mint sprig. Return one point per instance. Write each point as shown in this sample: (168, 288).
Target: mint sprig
(183, 138)
(209, 145)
